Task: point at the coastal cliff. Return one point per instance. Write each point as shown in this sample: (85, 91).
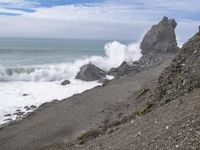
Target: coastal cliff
(152, 104)
(164, 117)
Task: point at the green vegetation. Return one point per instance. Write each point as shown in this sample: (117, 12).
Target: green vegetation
(87, 135)
(142, 92)
(147, 108)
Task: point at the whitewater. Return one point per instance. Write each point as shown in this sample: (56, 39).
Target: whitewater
(26, 83)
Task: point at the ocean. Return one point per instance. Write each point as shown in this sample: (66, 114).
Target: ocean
(31, 70)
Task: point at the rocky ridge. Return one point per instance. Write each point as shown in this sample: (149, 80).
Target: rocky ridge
(149, 125)
(183, 75)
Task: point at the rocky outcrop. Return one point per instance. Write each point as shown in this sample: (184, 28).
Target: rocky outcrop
(148, 61)
(126, 69)
(183, 75)
(160, 38)
(90, 72)
(123, 69)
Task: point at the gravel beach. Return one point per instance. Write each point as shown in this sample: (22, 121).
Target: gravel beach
(62, 122)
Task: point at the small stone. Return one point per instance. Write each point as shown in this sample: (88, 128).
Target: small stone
(7, 115)
(24, 94)
(33, 107)
(66, 82)
(167, 127)
(19, 113)
(7, 119)
(27, 108)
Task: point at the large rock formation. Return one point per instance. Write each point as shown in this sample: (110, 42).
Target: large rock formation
(183, 75)
(90, 72)
(160, 38)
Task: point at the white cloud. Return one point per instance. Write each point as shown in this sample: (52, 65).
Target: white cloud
(113, 19)
(50, 28)
(10, 6)
(101, 12)
(11, 11)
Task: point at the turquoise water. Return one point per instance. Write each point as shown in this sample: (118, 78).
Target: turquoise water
(19, 52)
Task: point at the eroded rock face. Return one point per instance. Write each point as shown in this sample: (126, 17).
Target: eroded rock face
(90, 72)
(160, 38)
(183, 75)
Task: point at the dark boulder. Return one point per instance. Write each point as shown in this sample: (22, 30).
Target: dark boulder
(66, 82)
(123, 69)
(160, 38)
(7, 115)
(33, 107)
(90, 72)
(183, 75)
(25, 94)
(27, 108)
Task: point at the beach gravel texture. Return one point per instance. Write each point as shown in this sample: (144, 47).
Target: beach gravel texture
(172, 121)
(59, 122)
(155, 108)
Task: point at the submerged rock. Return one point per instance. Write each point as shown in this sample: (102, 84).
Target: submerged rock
(66, 82)
(33, 107)
(90, 72)
(7, 115)
(19, 113)
(8, 120)
(183, 75)
(160, 38)
(27, 108)
(25, 94)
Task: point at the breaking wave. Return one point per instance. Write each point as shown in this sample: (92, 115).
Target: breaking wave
(115, 54)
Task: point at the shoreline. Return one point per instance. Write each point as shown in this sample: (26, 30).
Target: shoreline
(30, 95)
(67, 119)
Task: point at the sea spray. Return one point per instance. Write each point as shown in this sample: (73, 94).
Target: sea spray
(34, 85)
(115, 54)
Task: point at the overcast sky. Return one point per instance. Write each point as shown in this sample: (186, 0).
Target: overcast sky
(95, 19)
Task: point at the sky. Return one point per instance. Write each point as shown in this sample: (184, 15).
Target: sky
(95, 19)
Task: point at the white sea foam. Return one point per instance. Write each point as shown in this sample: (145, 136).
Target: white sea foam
(115, 54)
(42, 83)
(11, 94)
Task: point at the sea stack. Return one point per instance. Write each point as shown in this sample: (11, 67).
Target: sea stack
(161, 38)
